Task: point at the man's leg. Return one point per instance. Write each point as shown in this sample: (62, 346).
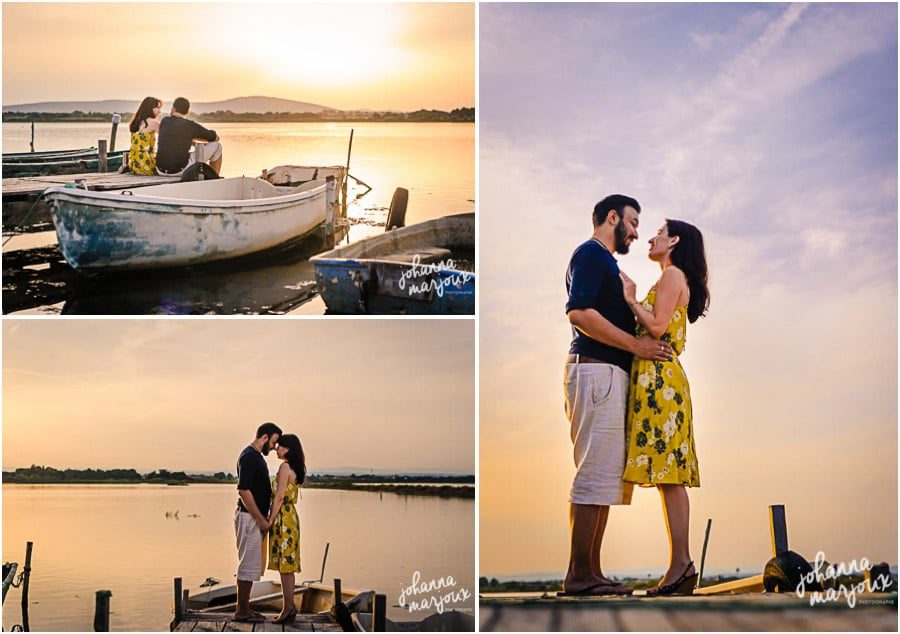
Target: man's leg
(243, 598)
(597, 542)
(583, 524)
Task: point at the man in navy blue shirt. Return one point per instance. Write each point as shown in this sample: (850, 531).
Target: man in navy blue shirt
(596, 387)
(250, 518)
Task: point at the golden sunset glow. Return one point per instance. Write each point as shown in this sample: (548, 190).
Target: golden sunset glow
(344, 56)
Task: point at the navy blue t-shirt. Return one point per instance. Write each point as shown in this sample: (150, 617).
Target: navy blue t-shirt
(593, 281)
(253, 476)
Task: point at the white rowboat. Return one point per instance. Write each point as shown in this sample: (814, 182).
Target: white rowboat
(183, 224)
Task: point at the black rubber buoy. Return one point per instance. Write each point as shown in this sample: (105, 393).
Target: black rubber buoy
(397, 213)
(783, 573)
(199, 172)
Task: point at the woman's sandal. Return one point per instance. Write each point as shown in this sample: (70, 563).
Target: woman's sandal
(290, 617)
(684, 585)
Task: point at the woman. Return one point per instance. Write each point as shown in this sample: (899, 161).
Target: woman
(284, 534)
(144, 126)
(660, 436)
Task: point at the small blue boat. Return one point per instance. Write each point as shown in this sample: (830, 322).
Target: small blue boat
(424, 269)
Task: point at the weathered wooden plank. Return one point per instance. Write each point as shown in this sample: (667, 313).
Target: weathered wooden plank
(645, 620)
(521, 619)
(776, 620)
(578, 619)
(33, 185)
(268, 626)
(238, 626)
(184, 626)
(299, 626)
(703, 620)
(209, 626)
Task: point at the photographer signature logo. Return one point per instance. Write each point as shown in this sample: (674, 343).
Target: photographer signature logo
(432, 594)
(823, 574)
(438, 284)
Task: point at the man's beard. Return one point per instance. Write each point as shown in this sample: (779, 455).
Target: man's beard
(266, 449)
(621, 233)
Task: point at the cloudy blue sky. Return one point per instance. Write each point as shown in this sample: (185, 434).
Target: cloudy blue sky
(774, 129)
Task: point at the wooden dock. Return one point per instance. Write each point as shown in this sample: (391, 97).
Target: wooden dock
(19, 194)
(224, 622)
(764, 612)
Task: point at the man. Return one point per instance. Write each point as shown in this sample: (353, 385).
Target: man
(250, 518)
(176, 134)
(596, 385)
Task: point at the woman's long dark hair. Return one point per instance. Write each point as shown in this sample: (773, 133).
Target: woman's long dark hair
(689, 255)
(295, 458)
(144, 112)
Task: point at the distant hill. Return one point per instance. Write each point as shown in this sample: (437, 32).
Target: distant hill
(238, 105)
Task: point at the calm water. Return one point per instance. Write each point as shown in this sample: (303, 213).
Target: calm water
(434, 161)
(117, 537)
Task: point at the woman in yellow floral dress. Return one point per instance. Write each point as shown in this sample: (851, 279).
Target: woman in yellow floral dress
(659, 428)
(284, 534)
(144, 126)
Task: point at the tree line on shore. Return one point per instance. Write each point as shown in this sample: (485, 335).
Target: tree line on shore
(457, 115)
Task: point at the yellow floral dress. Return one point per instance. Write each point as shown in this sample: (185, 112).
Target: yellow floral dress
(659, 432)
(284, 536)
(141, 157)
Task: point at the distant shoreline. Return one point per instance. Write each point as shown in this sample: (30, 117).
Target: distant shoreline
(445, 486)
(458, 115)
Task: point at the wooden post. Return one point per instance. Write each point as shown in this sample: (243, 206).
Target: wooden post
(778, 525)
(179, 606)
(185, 599)
(346, 175)
(116, 119)
(379, 615)
(32, 136)
(102, 164)
(101, 611)
(337, 592)
(703, 554)
(26, 571)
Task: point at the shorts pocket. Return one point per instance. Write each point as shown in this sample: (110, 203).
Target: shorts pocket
(602, 385)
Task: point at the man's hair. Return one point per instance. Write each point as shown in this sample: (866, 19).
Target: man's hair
(267, 429)
(181, 105)
(614, 202)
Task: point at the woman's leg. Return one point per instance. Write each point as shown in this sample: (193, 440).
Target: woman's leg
(287, 591)
(677, 513)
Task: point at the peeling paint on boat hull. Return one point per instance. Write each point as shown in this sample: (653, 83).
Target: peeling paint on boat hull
(109, 233)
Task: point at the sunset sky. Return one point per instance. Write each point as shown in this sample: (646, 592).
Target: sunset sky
(188, 395)
(774, 129)
(340, 55)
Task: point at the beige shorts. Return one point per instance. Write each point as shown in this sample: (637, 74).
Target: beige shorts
(250, 546)
(212, 151)
(596, 402)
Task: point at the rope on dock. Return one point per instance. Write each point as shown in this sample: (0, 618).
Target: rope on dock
(24, 218)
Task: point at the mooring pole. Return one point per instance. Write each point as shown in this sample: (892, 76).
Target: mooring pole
(116, 119)
(102, 162)
(703, 554)
(101, 611)
(179, 606)
(337, 592)
(32, 135)
(346, 175)
(379, 615)
(778, 526)
(26, 571)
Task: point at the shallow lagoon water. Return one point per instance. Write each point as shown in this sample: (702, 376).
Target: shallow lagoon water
(119, 538)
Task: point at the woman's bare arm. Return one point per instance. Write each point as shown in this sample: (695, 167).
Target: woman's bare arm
(670, 287)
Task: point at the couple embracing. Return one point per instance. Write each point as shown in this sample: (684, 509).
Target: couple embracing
(627, 397)
(268, 509)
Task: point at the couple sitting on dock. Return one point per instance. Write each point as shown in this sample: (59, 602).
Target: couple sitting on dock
(627, 397)
(176, 135)
(268, 509)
